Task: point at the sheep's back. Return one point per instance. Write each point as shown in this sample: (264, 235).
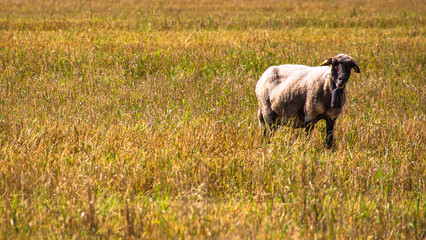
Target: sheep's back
(294, 82)
(292, 92)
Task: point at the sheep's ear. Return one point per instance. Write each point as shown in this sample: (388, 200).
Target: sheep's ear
(356, 68)
(327, 62)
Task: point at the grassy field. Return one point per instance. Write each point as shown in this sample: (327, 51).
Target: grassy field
(128, 119)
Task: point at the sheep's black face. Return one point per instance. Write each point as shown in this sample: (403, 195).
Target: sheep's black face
(341, 69)
(342, 72)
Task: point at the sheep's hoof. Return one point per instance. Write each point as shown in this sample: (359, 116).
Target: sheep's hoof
(329, 143)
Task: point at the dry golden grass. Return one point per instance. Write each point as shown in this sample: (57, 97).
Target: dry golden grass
(128, 119)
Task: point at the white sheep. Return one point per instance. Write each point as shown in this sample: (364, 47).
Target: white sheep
(300, 96)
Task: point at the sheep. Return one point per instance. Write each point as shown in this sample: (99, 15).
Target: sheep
(300, 96)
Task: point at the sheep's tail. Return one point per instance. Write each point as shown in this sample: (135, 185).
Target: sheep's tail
(275, 76)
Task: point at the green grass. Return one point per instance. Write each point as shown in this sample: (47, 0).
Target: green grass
(137, 120)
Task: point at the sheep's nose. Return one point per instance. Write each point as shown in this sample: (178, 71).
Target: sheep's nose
(341, 83)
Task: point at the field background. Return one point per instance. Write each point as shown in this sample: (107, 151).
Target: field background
(122, 119)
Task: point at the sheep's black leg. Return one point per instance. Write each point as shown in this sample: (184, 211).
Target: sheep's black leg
(309, 126)
(262, 122)
(260, 117)
(272, 122)
(329, 126)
